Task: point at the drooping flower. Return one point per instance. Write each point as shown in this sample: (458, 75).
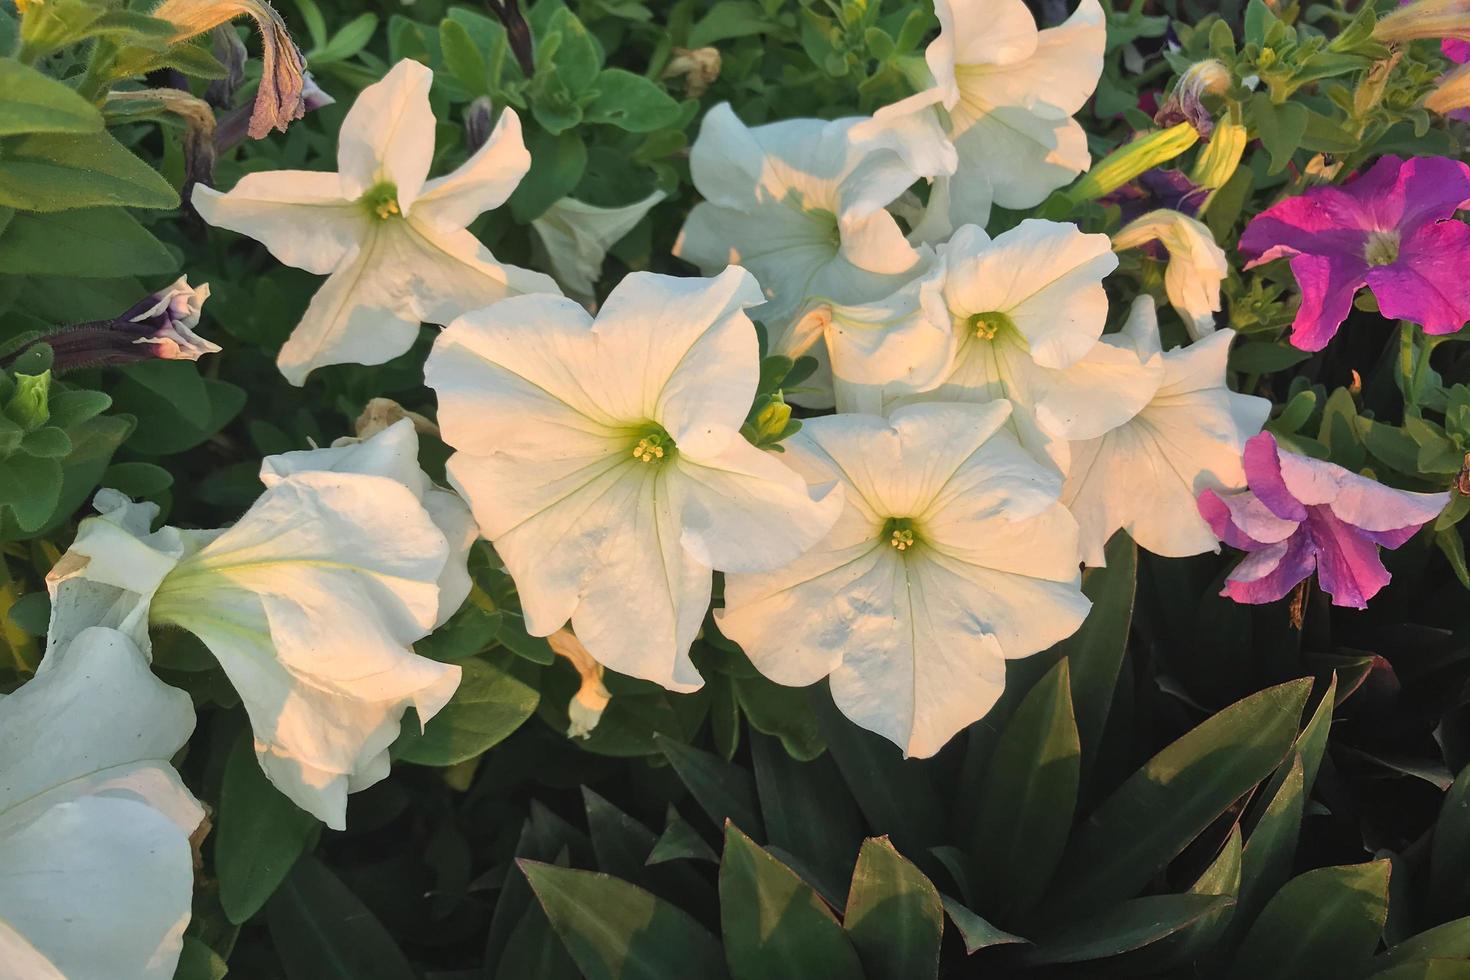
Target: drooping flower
(801, 204)
(1009, 92)
(1027, 310)
(951, 556)
(1391, 229)
(1196, 266)
(604, 461)
(1144, 475)
(1186, 102)
(1301, 515)
(160, 325)
(96, 868)
(233, 126)
(578, 235)
(311, 604)
(393, 244)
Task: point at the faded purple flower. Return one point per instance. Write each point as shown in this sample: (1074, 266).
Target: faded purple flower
(1185, 102)
(232, 127)
(160, 325)
(1301, 515)
(1390, 229)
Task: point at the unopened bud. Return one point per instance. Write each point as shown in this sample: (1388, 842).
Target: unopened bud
(1132, 159)
(1220, 158)
(478, 117)
(1453, 92)
(1425, 18)
(29, 404)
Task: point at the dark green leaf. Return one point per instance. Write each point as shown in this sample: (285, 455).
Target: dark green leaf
(1448, 941)
(1124, 927)
(260, 835)
(893, 915)
(1322, 925)
(1449, 857)
(976, 932)
(723, 790)
(490, 703)
(323, 932)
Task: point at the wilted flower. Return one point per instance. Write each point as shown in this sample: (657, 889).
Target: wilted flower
(230, 131)
(585, 709)
(1196, 266)
(394, 244)
(1185, 103)
(161, 325)
(1026, 310)
(1390, 229)
(1144, 475)
(951, 556)
(698, 67)
(279, 98)
(311, 603)
(96, 868)
(199, 126)
(1302, 515)
(801, 204)
(604, 460)
(1009, 91)
(577, 237)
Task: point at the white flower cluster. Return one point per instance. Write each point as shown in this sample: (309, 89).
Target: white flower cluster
(989, 438)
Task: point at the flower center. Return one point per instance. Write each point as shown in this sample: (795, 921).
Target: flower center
(654, 445)
(899, 533)
(1382, 248)
(381, 201)
(987, 326)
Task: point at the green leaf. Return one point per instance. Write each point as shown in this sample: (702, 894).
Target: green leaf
(724, 791)
(775, 709)
(76, 405)
(893, 915)
(775, 926)
(198, 962)
(347, 42)
(631, 103)
(1125, 927)
(1265, 357)
(56, 172)
(84, 243)
(1448, 941)
(679, 841)
(1449, 855)
(1279, 127)
(48, 442)
(617, 931)
(490, 704)
(1030, 793)
(1176, 795)
(1322, 925)
(30, 486)
(1267, 861)
(577, 57)
(463, 58)
(557, 164)
(975, 931)
(808, 813)
(260, 835)
(31, 102)
(322, 931)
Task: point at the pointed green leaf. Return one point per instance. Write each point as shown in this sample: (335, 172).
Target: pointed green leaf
(1321, 925)
(1177, 794)
(323, 932)
(1448, 941)
(260, 835)
(31, 102)
(894, 916)
(617, 931)
(775, 926)
(680, 841)
(1125, 927)
(622, 844)
(1267, 862)
(1449, 857)
(724, 790)
(490, 703)
(59, 171)
(975, 931)
(808, 812)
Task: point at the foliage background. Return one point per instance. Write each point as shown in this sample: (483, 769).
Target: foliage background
(1086, 827)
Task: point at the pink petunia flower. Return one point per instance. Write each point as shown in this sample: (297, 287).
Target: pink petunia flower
(1389, 229)
(1301, 515)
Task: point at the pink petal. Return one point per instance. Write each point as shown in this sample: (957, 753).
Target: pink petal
(1428, 284)
(1323, 221)
(1242, 521)
(1406, 194)
(1263, 474)
(1328, 284)
(1272, 572)
(1348, 566)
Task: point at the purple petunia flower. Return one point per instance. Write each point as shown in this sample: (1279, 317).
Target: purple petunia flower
(1389, 229)
(1302, 515)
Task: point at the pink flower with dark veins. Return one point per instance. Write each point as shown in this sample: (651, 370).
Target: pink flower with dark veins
(1391, 229)
(1302, 515)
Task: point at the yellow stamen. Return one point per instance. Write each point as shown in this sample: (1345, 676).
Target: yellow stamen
(903, 540)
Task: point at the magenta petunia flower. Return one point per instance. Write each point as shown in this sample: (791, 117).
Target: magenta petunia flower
(1390, 229)
(1302, 515)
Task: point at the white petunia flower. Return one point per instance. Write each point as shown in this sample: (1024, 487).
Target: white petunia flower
(801, 204)
(1145, 475)
(1197, 265)
(1008, 93)
(577, 237)
(1027, 310)
(951, 556)
(604, 460)
(96, 868)
(393, 244)
(311, 604)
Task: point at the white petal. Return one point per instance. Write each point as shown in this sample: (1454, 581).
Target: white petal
(1196, 266)
(484, 181)
(388, 135)
(1022, 155)
(903, 342)
(577, 237)
(304, 218)
(451, 515)
(22, 959)
(101, 887)
(1057, 77)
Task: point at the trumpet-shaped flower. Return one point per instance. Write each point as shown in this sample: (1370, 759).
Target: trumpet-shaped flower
(392, 243)
(1301, 515)
(310, 603)
(96, 868)
(604, 460)
(1390, 229)
(951, 556)
(1009, 92)
(1026, 310)
(1144, 475)
(578, 235)
(1196, 267)
(801, 205)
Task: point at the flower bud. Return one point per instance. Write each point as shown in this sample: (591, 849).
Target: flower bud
(1132, 159)
(1218, 161)
(29, 404)
(1208, 77)
(478, 117)
(1425, 18)
(1453, 92)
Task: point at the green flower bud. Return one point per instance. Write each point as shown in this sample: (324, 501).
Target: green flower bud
(29, 405)
(1132, 159)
